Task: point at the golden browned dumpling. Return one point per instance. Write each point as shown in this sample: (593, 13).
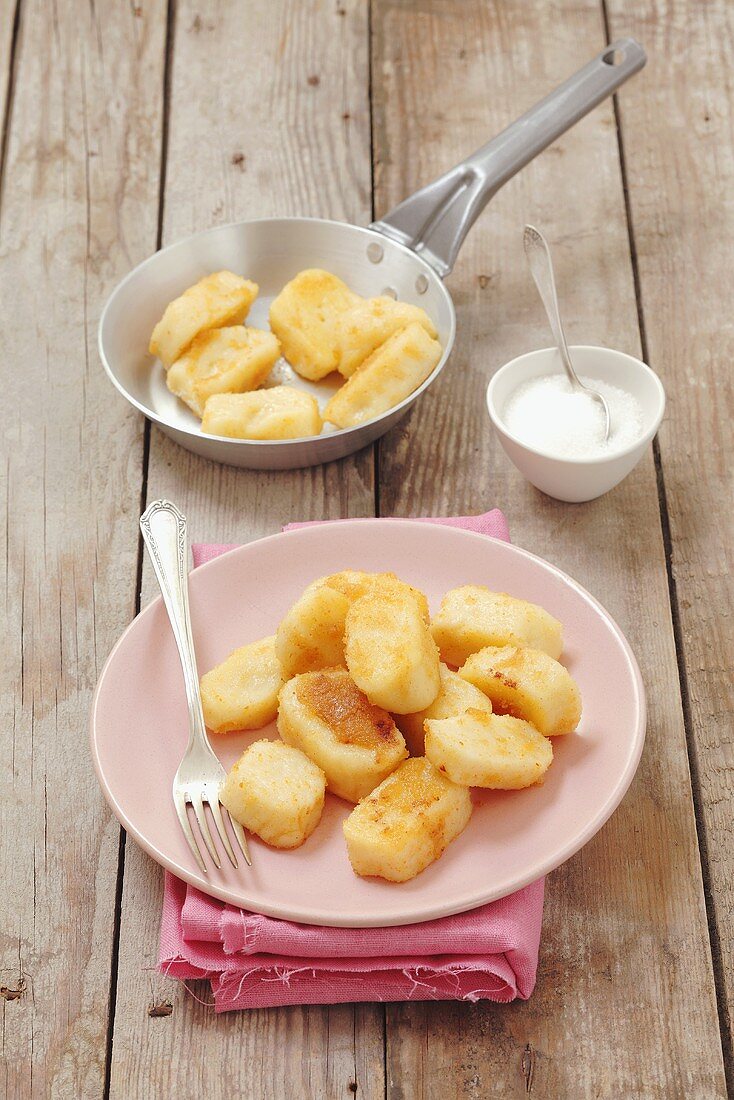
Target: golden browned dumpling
(305, 318)
(390, 653)
(367, 325)
(242, 692)
(528, 684)
(311, 635)
(406, 823)
(472, 617)
(276, 792)
(355, 743)
(353, 583)
(219, 299)
(391, 373)
(279, 412)
(223, 360)
(478, 749)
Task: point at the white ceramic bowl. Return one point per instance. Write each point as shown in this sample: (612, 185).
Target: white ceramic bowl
(577, 479)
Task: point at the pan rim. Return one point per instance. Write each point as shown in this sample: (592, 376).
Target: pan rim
(156, 418)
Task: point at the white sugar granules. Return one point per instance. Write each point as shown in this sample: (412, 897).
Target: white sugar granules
(545, 413)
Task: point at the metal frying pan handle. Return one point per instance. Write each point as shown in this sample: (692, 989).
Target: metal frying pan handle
(435, 220)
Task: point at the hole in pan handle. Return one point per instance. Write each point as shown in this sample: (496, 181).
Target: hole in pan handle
(435, 220)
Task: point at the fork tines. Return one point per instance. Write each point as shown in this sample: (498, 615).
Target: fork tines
(198, 799)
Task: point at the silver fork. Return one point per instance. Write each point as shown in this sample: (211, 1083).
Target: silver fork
(200, 775)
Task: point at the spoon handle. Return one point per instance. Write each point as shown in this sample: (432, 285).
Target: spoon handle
(541, 268)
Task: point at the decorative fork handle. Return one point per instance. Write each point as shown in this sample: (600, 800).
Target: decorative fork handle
(165, 534)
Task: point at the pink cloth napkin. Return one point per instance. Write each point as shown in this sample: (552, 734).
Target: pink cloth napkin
(254, 961)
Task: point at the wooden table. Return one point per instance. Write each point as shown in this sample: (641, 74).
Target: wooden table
(131, 125)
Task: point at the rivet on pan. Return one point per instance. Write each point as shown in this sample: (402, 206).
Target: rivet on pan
(613, 57)
(421, 284)
(375, 252)
(390, 292)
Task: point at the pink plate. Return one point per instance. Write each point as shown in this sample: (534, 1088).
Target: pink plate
(139, 730)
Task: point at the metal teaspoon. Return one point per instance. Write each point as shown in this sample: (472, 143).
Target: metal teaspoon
(541, 268)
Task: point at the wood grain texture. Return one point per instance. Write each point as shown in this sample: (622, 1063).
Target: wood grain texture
(269, 114)
(278, 125)
(677, 126)
(8, 11)
(79, 207)
(624, 1003)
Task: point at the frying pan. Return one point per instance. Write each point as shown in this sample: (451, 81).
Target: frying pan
(406, 255)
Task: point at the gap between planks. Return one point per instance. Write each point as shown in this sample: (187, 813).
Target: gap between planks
(9, 96)
(117, 925)
(693, 764)
(376, 444)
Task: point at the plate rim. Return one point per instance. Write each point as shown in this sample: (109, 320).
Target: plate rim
(438, 910)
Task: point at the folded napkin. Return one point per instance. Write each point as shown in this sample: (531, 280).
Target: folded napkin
(254, 961)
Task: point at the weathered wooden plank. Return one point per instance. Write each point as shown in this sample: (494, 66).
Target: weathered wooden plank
(624, 1003)
(677, 127)
(269, 114)
(8, 11)
(79, 207)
